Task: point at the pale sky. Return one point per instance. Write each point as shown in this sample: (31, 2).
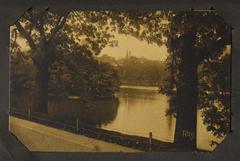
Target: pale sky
(138, 48)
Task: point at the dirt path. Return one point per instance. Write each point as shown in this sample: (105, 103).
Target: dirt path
(37, 137)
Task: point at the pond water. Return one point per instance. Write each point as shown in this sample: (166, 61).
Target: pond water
(142, 110)
(135, 110)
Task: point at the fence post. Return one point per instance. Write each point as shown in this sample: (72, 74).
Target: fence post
(150, 141)
(29, 114)
(77, 124)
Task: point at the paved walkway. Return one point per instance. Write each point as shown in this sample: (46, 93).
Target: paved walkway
(37, 137)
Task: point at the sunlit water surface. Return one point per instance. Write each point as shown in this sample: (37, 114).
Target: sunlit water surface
(135, 110)
(142, 110)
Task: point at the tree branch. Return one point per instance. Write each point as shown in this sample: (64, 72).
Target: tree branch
(61, 21)
(38, 25)
(26, 36)
(212, 48)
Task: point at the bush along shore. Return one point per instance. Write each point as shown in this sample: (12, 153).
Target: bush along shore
(136, 142)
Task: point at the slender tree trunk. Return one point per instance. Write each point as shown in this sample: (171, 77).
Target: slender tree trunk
(187, 95)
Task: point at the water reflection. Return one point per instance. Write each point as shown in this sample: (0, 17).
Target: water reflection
(134, 111)
(142, 110)
(94, 113)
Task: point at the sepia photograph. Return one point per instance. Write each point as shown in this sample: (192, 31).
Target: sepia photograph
(120, 81)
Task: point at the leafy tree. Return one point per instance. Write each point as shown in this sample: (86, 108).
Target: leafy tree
(105, 81)
(82, 75)
(49, 33)
(214, 89)
(22, 79)
(191, 38)
(195, 37)
(140, 71)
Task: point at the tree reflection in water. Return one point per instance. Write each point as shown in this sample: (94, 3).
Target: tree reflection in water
(92, 113)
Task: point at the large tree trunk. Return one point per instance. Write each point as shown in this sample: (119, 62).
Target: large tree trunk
(41, 95)
(187, 95)
(42, 78)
